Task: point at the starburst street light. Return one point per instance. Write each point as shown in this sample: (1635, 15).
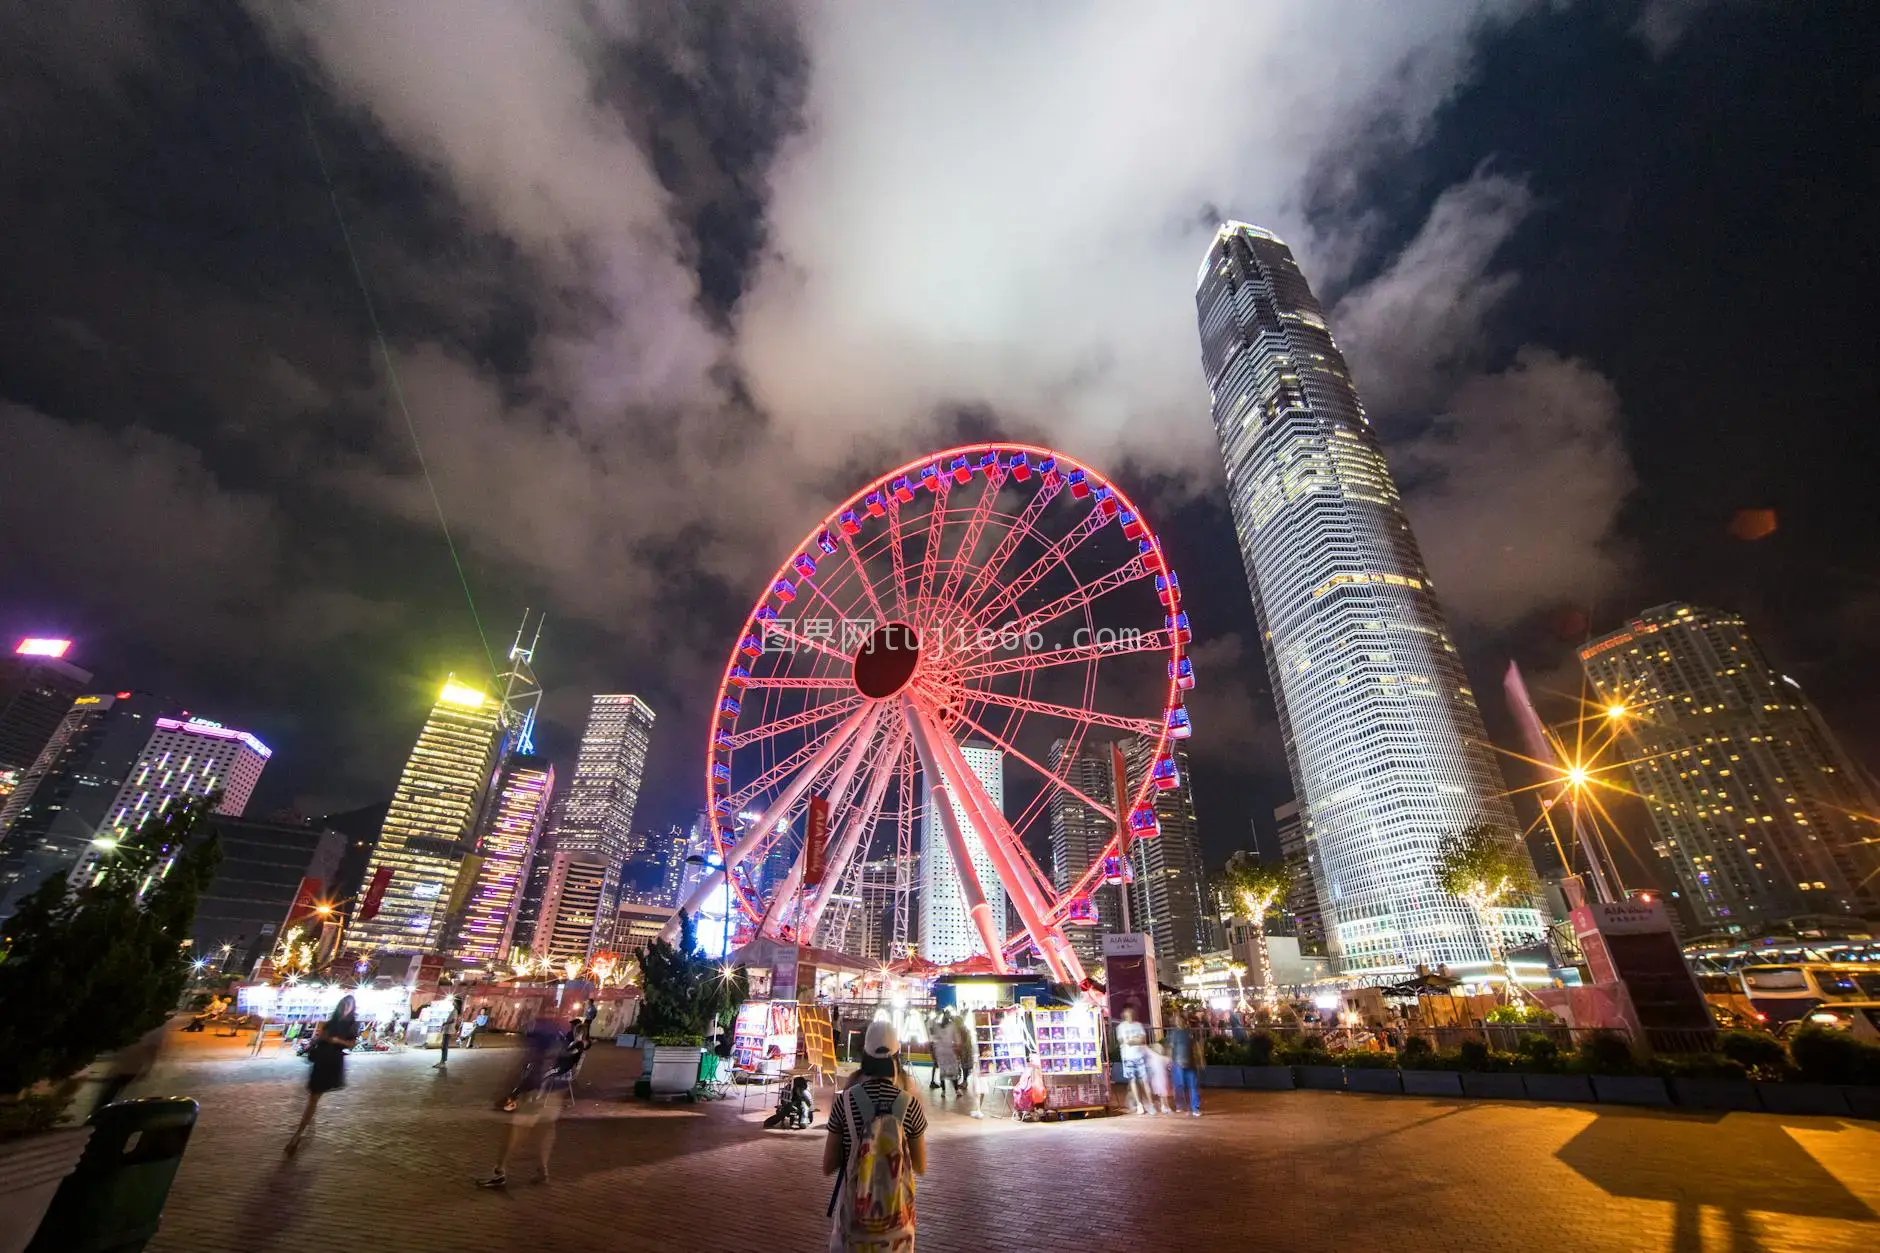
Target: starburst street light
(1616, 712)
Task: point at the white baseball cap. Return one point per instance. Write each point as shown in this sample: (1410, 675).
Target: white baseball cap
(881, 1040)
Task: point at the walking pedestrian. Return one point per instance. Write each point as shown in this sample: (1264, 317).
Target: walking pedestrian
(944, 1045)
(877, 1144)
(540, 1091)
(453, 1017)
(328, 1056)
(1185, 1061)
(1132, 1042)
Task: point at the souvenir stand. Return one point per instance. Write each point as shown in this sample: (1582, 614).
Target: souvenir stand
(1068, 1039)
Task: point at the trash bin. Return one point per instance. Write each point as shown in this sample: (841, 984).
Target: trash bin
(112, 1202)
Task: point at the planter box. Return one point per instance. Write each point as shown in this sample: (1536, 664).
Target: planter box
(1803, 1098)
(1360, 1079)
(1715, 1094)
(1320, 1078)
(1863, 1102)
(1630, 1090)
(31, 1170)
(1432, 1082)
(1267, 1078)
(1221, 1077)
(1493, 1087)
(1558, 1089)
(675, 1069)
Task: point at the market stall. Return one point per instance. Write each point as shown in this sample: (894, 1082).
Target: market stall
(298, 1009)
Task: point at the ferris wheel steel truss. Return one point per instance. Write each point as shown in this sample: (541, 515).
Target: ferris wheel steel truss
(932, 636)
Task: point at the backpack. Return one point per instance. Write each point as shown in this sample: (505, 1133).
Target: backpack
(879, 1209)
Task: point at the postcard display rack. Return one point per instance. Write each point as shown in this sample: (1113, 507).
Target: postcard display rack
(1069, 1044)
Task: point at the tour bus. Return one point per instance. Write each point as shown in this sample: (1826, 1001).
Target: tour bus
(1785, 993)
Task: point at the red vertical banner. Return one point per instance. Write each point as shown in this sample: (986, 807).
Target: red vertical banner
(304, 900)
(815, 840)
(369, 908)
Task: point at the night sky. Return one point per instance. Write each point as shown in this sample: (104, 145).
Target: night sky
(663, 282)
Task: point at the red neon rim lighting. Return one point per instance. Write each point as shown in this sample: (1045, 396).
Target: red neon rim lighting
(881, 490)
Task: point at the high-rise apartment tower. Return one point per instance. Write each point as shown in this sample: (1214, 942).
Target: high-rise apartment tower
(1761, 815)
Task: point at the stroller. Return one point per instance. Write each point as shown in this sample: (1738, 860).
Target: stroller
(795, 1111)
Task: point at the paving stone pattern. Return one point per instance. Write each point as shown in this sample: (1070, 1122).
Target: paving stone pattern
(392, 1162)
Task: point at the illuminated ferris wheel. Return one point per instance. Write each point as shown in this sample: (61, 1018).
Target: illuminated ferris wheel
(992, 597)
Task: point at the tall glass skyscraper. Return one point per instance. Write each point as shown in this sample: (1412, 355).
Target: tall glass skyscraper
(596, 814)
(1386, 745)
(946, 932)
(1078, 834)
(506, 842)
(421, 847)
(1168, 898)
(1760, 813)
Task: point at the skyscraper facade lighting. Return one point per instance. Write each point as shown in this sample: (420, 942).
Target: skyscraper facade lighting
(510, 830)
(1761, 815)
(1168, 896)
(36, 691)
(422, 844)
(596, 814)
(946, 933)
(1078, 834)
(1386, 746)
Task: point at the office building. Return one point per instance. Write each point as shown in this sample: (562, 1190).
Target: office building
(37, 688)
(574, 889)
(508, 834)
(265, 866)
(637, 925)
(596, 812)
(1079, 834)
(1385, 744)
(947, 933)
(1168, 898)
(1303, 919)
(68, 793)
(1760, 814)
(695, 862)
(414, 867)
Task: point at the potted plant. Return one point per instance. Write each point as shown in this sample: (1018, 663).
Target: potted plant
(684, 993)
(85, 972)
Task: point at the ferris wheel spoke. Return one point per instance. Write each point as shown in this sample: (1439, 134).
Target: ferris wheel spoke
(1156, 641)
(969, 542)
(859, 824)
(832, 683)
(1095, 590)
(780, 628)
(851, 762)
(1009, 542)
(897, 556)
(1047, 561)
(799, 782)
(1051, 776)
(797, 721)
(771, 777)
(936, 525)
(1081, 717)
(868, 584)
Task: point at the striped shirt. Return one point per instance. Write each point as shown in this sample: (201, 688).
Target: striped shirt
(881, 1092)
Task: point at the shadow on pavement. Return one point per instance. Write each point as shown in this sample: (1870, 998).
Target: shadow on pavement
(1674, 1158)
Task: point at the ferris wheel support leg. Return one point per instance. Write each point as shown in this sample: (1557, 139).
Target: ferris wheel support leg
(853, 833)
(990, 933)
(780, 901)
(792, 792)
(999, 838)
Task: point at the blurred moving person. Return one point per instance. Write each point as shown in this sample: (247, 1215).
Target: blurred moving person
(535, 1101)
(328, 1059)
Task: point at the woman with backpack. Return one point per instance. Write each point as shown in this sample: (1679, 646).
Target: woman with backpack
(877, 1144)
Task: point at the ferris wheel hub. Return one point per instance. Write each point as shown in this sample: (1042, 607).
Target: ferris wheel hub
(886, 660)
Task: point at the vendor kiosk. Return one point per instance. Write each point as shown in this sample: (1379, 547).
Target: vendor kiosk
(1069, 1042)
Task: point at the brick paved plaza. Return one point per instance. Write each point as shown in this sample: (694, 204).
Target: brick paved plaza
(391, 1166)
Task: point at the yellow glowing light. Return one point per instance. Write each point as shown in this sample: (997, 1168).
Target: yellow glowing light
(1615, 712)
(455, 693)
(1576, 775)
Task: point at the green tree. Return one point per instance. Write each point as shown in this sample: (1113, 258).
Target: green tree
(85, 971)
(683, 991)
(1484, 867)
(1255, 889)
